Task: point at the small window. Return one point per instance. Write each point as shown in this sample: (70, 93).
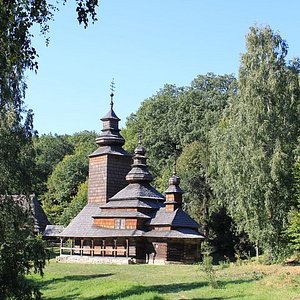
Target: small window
(119, 223)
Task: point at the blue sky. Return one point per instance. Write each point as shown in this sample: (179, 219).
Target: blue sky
(142, 44)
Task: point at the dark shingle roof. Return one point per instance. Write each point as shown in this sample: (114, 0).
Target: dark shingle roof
(111, 115)
(121, 214)
(82, 226)
(133, 203)
(177, 218)
(53, 230)
(110, 149)
(137, 190)
(82, 222)
(186, 233)
(39, 216)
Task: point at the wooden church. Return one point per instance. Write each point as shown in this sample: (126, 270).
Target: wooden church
(126, 220)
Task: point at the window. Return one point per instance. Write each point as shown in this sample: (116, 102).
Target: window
(119, 223)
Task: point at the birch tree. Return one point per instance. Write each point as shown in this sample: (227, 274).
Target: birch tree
(254, 141)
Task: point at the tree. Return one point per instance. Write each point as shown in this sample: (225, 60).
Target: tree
(16, 152)
(68, 174)
(76, 205)
(175, 117)
(254, 142)
(19, 249)
(293, 230)
(21, 252)
(193, 168)
(50, 150)
(201, 106)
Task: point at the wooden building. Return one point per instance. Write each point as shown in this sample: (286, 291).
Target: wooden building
(126, 219)
(35, 211)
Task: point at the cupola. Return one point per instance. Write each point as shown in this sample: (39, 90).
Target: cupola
(139, 170)
(173, 193)
(110, 133)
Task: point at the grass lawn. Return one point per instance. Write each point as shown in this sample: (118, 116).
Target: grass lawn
(145, 282)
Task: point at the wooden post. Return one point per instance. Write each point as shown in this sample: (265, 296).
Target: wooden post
(92, 251)
(115, 247)
(81, 247)
(103, 248)
(71, 250)
(127, 247)
(61, 244)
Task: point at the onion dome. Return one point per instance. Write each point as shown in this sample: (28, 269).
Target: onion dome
(174, 179)
(173, 193)
(139, 170)
(110, 135)
(174, 182)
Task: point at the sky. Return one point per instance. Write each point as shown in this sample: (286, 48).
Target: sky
(143, 45)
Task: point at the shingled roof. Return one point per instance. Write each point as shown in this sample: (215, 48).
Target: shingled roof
(177, 218)
(138, 191)
(121, 214)
(82, 226)
(182, 233)
(52, 230)
(133, 203)
(32, 203)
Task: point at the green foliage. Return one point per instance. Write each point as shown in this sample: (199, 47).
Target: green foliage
(209, 271)
(206, 266)
(21, 252)
(76, 205)
(253, 144)
(293, 230)
(68, 174)
(201, 106)
(63, 184)
(154, 118)
(223, 237)
(192, 166)
(130, 133)
(83, 142)
(50, 150)
(16, 152)
(177, 116)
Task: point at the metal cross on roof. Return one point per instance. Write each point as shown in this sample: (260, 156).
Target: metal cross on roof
(112, 88)
(139, 136)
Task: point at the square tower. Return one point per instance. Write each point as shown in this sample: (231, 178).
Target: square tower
(110, 163)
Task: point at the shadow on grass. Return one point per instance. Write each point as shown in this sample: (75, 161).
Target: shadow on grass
(44, 283)
(169, 288)
(139, 290)
(70, 296)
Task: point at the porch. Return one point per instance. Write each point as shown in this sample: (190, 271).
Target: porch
(117, 247)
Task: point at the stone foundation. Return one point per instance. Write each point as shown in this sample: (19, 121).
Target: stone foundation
(106, 260)
(95, 259)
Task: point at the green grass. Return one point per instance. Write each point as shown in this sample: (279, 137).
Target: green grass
(145, 282)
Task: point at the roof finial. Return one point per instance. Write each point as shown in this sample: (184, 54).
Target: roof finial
(112, 88)
(174, 167)
(139, 136)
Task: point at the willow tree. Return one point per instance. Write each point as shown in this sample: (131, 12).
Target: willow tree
(254, 142)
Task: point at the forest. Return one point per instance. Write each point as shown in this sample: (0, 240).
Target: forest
(235, 143)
